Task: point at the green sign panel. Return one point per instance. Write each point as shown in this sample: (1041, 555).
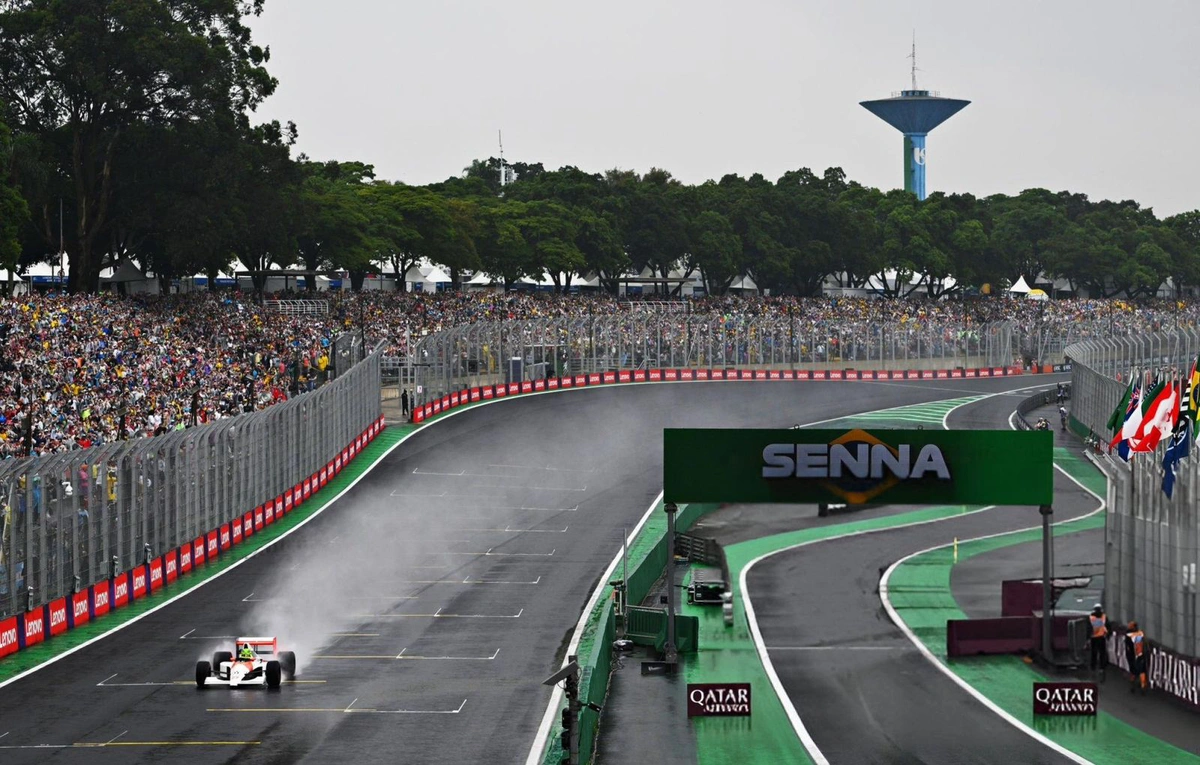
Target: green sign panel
(900, 467)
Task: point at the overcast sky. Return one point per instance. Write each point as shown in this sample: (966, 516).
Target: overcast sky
(1099, 97)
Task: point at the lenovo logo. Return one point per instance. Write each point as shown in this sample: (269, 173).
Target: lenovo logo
(101, 597)
(33, 628)
(170, 566)
(8, 639)
(58, 616)
(81, 608)
(139, 581)
(122, 590)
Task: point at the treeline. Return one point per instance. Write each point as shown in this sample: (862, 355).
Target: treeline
(130, 131)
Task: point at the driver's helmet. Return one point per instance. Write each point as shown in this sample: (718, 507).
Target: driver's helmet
(246, 652)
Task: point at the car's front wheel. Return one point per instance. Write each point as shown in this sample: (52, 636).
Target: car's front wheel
(274, 674)
(203, 672)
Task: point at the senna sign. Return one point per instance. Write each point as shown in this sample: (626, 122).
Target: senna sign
(718, 699)
(855, 466)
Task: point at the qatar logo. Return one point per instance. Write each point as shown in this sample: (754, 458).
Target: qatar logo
(856, 466)
(718, 699)
(1064, 698)
(919, 155)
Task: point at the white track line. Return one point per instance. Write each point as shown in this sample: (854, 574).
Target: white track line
(489, 553)
(551, 469)
(834, 647)
(422, 711)
(982, 699)
(543, 734)
(440, 615)
(511, 530)
(402, 656)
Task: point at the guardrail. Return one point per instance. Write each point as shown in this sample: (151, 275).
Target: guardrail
(78, 517)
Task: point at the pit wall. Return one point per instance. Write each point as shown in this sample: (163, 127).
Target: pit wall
(648, 557)
(501, 390)
(120, 590)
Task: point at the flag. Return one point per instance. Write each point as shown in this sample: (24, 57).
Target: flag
(1177, 451)
(1133, 413)
(1194, 395)
(1117, 418)
(1158, 420)
(1131, 431)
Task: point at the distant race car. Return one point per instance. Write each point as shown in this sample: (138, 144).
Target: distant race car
(267, 668)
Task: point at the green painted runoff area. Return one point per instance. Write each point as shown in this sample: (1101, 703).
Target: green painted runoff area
(920, 592)
(24, 660)
(727, 654)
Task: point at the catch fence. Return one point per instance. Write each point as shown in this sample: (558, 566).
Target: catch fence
(493, 352)
(1152, 542)
(77, 517)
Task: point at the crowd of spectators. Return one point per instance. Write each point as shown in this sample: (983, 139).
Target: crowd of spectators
(82, 370)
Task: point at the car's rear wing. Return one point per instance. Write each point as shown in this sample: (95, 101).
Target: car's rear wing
(260, 641)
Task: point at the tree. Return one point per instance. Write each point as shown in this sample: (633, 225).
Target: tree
(82, 75)
(263, 203)
(1022, 231)
(550, 231)
(332, 217)
(13, 211)
(503, 251)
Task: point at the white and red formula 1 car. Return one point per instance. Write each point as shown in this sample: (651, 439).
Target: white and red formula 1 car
(267, 668)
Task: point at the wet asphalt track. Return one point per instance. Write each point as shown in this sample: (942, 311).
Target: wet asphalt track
(863, 691)
(499, 519)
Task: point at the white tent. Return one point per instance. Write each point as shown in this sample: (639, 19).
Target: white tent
(428, 277)
(1020, 288)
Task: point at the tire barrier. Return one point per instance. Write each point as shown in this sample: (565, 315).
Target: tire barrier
(45, 621)
(477, 394)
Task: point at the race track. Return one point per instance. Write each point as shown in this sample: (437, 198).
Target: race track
(427, 604)
(863, 691)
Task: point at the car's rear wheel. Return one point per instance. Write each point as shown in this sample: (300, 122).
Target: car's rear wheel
(287, 661)
(203, 672)
(274, 674)
(219, 657)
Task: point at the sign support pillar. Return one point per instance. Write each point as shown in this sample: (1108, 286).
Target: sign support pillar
(1047, 586)
(671, 655)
